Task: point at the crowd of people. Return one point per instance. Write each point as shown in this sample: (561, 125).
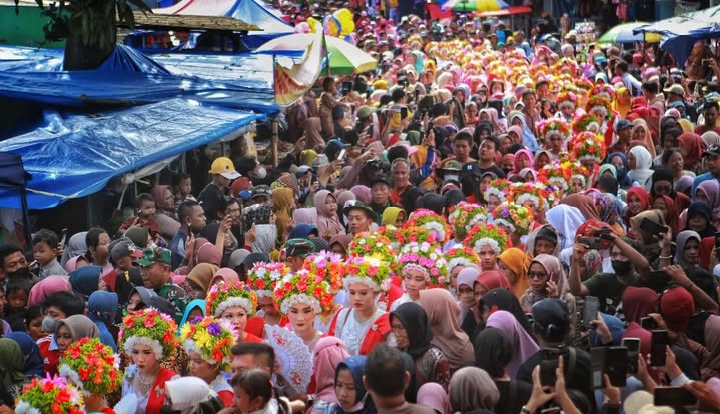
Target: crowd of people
(469, 228)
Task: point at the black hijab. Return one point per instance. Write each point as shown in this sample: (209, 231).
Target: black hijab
(417, 326)
(502, 299)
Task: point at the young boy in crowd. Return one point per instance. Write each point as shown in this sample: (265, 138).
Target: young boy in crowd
(16, 297)
(45, 253)
(182, 188)
(57, 306)
(145, 215)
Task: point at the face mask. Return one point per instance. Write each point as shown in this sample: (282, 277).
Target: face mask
(507, 170)
(621, 268)
(49, 324)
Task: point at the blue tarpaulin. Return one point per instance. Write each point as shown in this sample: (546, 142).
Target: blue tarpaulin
(77, 155)
(244, 82)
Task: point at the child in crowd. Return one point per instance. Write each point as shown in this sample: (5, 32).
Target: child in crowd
(182, 187)
(254, 392)
(145, 215)
(16, 298)
(57, 306)
(45, 253)
(34, 322)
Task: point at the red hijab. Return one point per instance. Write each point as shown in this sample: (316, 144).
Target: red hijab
(493, 279)
(694, 148)
(671, 214)
(642, 195)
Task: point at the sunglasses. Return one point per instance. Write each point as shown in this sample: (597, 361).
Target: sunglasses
(536, 275)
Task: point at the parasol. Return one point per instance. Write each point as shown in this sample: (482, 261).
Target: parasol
(623, 33)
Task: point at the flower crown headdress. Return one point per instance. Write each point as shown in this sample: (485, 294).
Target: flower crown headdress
(534, 194)
(499, 187)
(406, 234)
(566, 64)
(460, 255)
(567, 97)
(586, 122)
(150, 328)
(424, 257)
(579, 172)
(328, 265)
(370, 270)
(556, 175)
(604, 91)
(49, 396)
(516, 218)
(91, 366)
(227, 295)
(264, 276)
(463, 216)
(302, 287)
(211, 339)
(553, 126)
(372, 244)
(597, 102)
(430, 220)
(587, 145)
(487, 235)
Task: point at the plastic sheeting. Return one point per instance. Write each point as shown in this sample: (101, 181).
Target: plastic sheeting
(249, 11)
(243, 81)
(77, 156)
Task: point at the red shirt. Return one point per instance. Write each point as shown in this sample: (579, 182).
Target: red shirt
(51, 358)
(701, 129)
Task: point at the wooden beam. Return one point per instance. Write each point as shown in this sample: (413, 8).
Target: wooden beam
(178, 21)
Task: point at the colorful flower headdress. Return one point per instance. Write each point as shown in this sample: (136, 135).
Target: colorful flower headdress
(516, 218)
(464, 216)
(302, 287)
(407, 235)
(372, 244)
(586, 122)
(587, 145)
(566, 64)
(49, 396)
(150, 328)
(555, 175)
(487, 235)
(209, 338)
(604, 91)
(430, 220)
(578, 172)
(91, 366)
(584, 85)
(460, 256)
(553, 126)
(426, 258)
(263, 277)
(599, 103)
(567, 97)
(227, 295)
(328, 265)
(370, 270)
(499, 187)
(534, 194)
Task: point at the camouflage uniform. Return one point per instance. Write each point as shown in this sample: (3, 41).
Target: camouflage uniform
(170, 291)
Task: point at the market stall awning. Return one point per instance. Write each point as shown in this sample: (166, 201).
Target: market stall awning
(74, 156)
(625, 33)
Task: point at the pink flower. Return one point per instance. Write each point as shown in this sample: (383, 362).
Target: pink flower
(301, 286)
(318, 279)
(372, 271)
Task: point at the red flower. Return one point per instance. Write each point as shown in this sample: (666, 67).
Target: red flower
(301, 286)
(149, 322)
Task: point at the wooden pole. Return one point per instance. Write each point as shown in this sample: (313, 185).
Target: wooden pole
(274, 143)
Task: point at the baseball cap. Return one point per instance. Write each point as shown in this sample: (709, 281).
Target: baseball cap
(364, 112)
(622, 124)
(552, 316)
(260, 191)
(380, 178)
(713, 150)
(359, 205)
(302, 170)
(125, 248)
(676, 89)
(154, 255)
(452, 165)
(298, 247)
(470, 169)
(224, 167)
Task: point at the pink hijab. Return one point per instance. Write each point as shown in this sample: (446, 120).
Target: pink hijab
(47, 287)
(442, 311)
(204, 252)
(527, 154)
(523, 345)
(328, 353)
(224, 274)
(158, 194)
(328, 223)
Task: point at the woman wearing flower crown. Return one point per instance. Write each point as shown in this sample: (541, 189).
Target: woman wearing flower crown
(93, 368)
(488, 241)
(207, 343)
(420, 265)
(235, 303)
(363, 326)
(302, 296)
(147, 337)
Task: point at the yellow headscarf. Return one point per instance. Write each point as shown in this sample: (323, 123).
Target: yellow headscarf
(283, 203)
(390, 215)
(519, 262)
(686, 125)
(623, 101)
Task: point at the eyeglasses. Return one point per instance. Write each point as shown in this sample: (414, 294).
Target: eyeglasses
(536, 275)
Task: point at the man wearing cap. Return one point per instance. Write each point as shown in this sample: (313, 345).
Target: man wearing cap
(623, 128)
(296, 250)
(673, 93)
(380, 186)
(710, 112)
(260, 195)
(712, 157)
(155, 273)
(211, 197)
(359, 216)
(124, 254)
